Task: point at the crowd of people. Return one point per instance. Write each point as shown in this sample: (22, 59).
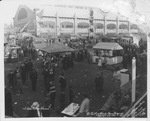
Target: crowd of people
(17, 81)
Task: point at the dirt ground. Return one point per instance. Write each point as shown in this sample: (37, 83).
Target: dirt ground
(81, 77)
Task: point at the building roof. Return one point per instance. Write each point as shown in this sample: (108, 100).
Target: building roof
(57, 47)
(80, 12)
(108, 46)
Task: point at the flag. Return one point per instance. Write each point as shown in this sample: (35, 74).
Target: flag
(40, 14)
(125, 7)
(129, 3)
(140, 18)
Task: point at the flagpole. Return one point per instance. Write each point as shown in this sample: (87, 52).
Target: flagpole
(35, 24)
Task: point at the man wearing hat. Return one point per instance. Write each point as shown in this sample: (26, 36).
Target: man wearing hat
(23, 73)
(97, 83)
(46, 80)
(35, 110)
(62, 81)
(52, 93)
(10, 77)
(51, 74)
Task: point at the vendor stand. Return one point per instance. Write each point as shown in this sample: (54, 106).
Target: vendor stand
(58, 50)
(112, 52)
(12, 52)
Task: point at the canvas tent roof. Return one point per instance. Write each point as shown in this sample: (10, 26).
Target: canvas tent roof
(39, 45)
(108, 46)
(57, 47)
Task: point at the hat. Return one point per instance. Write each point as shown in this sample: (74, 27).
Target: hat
(35, 105)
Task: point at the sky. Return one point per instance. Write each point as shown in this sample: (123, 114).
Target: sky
(141, 6)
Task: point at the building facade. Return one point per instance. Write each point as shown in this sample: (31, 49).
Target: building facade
(60, 19)
(23, 16)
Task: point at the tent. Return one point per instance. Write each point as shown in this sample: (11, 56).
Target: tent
(108, 46)
(40, 45)
(26, 34)
(56, 48)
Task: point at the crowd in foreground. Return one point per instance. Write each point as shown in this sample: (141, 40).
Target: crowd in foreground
(17, 82)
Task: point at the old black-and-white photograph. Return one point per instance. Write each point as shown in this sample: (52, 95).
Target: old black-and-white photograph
(76, 58)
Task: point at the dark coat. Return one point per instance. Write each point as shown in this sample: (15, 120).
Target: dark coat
(62, 82)
(11, 77)
(30, 65)
(23, 71)
(8, 103)
(33, 75)
(45, 73)
(98, 80)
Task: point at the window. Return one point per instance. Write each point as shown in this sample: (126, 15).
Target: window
(47, 24)
(99, 26)
(111, 26)
(83, 25)
(22, 14)
(66, 25)
(50, 26)
(69, 26)
(133, 26)
(123, 26)
(63, 26)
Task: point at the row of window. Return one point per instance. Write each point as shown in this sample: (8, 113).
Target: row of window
(46, 26)
(97, 26)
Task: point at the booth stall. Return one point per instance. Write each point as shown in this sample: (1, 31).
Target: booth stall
(112, 52)
(13, 52)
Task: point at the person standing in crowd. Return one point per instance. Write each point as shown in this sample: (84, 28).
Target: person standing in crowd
(19, 82)
(33, 77)
(99, 63)
(85, 105)
(51, 74)
(125, 61)
(89, 58)
(71, 94)
(102, 82)
(22, 53)
(35, 110)
(9, 60)
(15, 80)
(52, 93)
(46, 81)
(63, 82)
(117, 79)
(26, 68)
(23, 73)
(8, 103)
(97, 83)
(104, 63)
(30, 65)
(10, 77)
(71, 62)
(65, 62)
(62, 101)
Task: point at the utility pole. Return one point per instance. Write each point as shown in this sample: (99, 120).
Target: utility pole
(91, 27)
(35, 23)
(104, 17)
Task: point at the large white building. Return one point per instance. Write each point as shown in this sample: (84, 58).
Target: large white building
(61, 19)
